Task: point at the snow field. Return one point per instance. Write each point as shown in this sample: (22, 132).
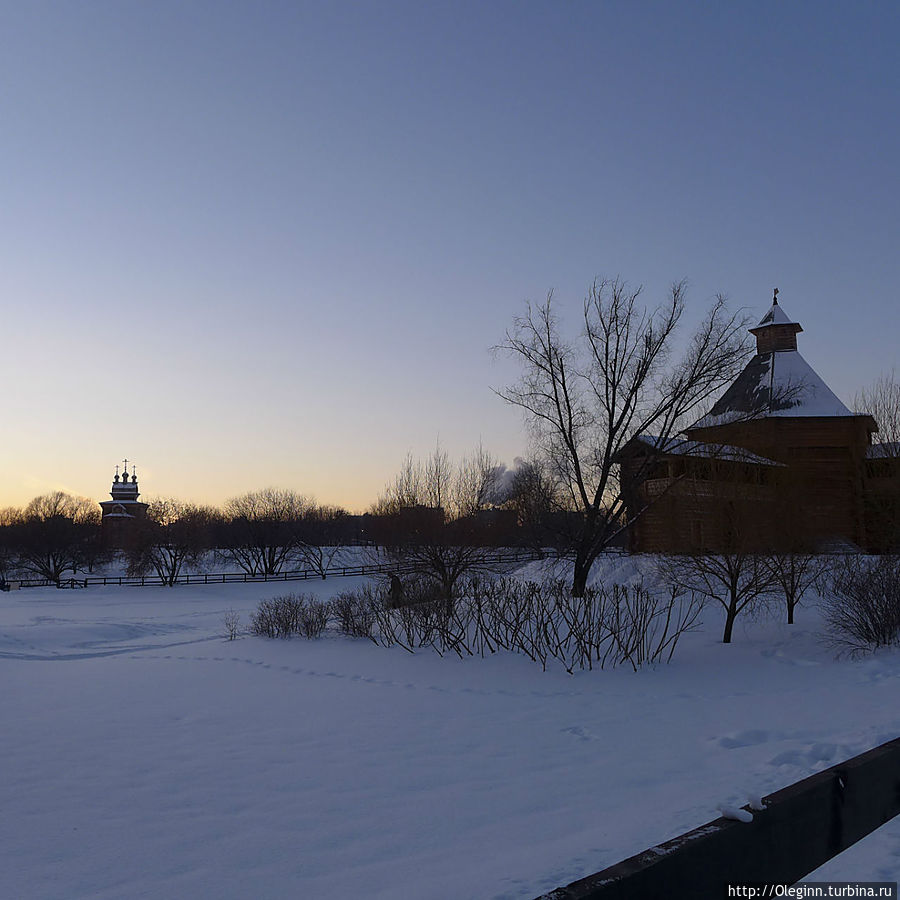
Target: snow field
(145, 756)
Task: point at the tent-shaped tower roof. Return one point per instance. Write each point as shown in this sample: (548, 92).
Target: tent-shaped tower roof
(778, 381)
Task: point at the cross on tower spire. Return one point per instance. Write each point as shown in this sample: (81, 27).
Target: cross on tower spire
(775, 298)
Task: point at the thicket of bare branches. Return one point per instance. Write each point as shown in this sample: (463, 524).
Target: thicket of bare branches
(622, 624)
(354, 611)
(585, 399)
(607, 626)
(288, 615)
(861, 603)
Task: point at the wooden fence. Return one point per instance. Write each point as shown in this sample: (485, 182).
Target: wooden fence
(800, 828)
(247, 578)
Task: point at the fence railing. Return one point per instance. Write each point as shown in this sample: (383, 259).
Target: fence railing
(248, 578)
(799, 829)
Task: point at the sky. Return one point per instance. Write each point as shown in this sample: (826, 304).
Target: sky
(272, 244)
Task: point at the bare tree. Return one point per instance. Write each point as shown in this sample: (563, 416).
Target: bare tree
(232, 623)
(263, 529)
(10, 518)
(429, 518)
(53, 532)
(172, 534)
(585, 400)
(731, 569)
(736, 580)
(319, 545)
(792, 562)
(882, 402)
(534, 496)
(476, 484)
(795, 573)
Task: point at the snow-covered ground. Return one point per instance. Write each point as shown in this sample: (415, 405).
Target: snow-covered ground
(143, 755)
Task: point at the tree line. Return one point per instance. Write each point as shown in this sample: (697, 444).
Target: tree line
(56, 535)
(435, 516)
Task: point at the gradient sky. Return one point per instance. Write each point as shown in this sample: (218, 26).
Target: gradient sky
(251, 244)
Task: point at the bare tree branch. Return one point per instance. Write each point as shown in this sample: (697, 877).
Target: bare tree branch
(585, 401)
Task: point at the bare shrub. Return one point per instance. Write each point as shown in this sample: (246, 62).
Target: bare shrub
(313, 618)
(278, 617)
(232, 623)
(606, 626)
(646, 625)
(414, 590)
(290, 614)
(407, 626)
(862, 604)
(355, 611)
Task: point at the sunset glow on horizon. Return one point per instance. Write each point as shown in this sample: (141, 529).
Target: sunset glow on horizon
(254, 245)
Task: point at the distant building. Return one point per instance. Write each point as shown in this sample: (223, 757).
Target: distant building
(124, 509)
(779, 462)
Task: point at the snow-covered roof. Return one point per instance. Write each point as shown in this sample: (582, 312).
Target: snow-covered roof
(780, 383)
(776, 316)
(681, 447)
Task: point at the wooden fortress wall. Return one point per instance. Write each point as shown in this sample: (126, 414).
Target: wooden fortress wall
(820, 494)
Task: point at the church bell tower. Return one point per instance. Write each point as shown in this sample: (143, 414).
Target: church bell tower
(124, 508)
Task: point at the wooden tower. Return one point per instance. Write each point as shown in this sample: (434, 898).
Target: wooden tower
(120, 513)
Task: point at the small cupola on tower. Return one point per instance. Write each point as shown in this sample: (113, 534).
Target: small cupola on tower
(124, 489)
(776, 331)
